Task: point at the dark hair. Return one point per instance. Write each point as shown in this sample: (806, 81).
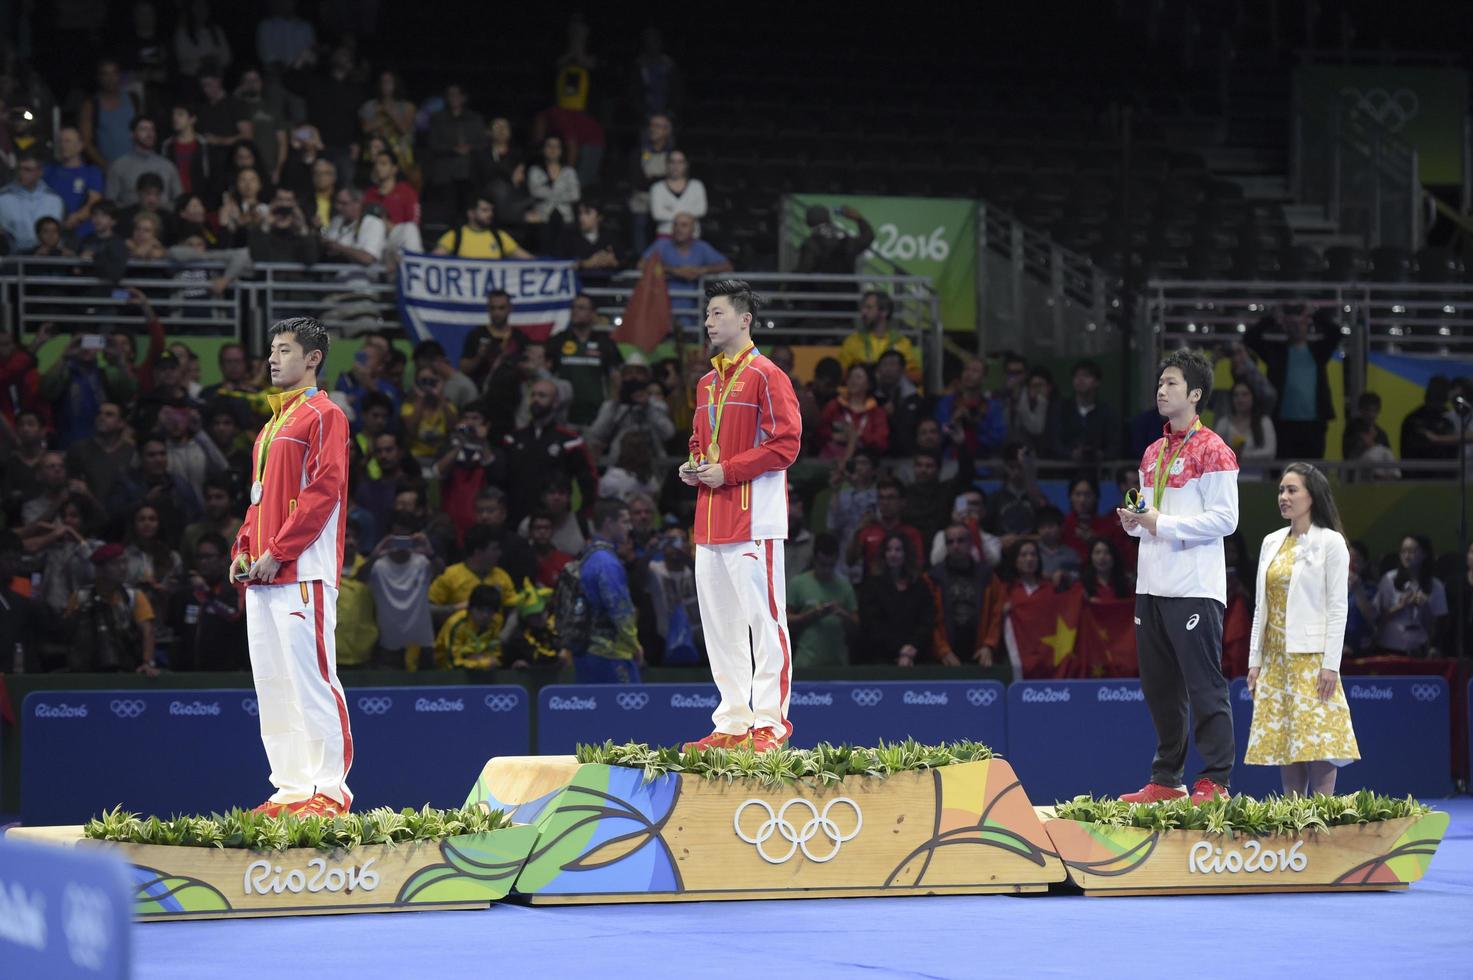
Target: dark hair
(1088, 367)
(484, 597)
(1090, 578)
(909, 570)
(540, 514)
(1255, 414)
(607, 509)
(427, 350)
(402, 487)
(492, 294)
(137, 121)
(1322, 509)
(376, 399)
(109, 208)
(888, 482)
(158, 549)
(45, 220)
(1368, 399)
(1424, 574)
(869, 373)
(477, 537)
(1009, 570)
(885, 300)
(558, 481)
(1044, 373)
(739, 293)
(219, 482)
(828, 368)
(307, 331)
(1049, 515)
(149, 182)
(931, 454)
(591, 205)
(1194, 367)
(406, 522)
(217, 541)
(92, 516)
(827, 545)
(891, 352)
(1084, 478)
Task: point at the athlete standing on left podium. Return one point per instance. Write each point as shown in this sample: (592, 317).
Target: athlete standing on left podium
(289, 553)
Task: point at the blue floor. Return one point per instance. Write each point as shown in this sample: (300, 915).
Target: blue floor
(1425, 929)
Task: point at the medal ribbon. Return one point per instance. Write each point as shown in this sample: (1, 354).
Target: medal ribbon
(273, 427)
(1161, 477)
(716, 408)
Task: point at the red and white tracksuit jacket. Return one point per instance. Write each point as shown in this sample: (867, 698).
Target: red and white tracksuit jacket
(1199, 507)
(300, 519)
(739, 532)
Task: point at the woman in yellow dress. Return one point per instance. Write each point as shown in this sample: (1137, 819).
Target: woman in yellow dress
(1301, 721)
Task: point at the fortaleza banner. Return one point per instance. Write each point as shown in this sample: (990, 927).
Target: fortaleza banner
(443, 297)
(920, 236)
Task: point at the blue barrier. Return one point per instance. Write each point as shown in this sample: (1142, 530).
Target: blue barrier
(64, 912)
(170, 752)
(821, 711)
(1072, 737)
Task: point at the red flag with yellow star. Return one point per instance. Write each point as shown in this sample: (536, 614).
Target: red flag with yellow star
(1107, 637)
(1043, 630)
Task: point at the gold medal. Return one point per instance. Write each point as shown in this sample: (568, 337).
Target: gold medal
(713, 452)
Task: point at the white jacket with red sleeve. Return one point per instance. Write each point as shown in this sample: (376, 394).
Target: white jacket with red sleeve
(761, 432)
(303, 511)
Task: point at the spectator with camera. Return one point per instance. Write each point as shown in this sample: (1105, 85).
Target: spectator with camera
(429, 418)
(109, 626)
(854, 419)
(399, 571)
(641, 408)
(206, 613)
(831, 250)
(1298, 371)
(971, 415)
(470, 464)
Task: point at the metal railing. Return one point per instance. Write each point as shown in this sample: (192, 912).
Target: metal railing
(1035, 294)
(353, 299)
(1364, 177)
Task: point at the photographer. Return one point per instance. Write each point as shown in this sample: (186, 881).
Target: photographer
(110, 626)
(429, 418)
(468, 464)
(285, 238)
(641, 407)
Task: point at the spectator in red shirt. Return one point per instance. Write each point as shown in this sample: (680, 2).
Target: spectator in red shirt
(400, 203)
(186, 151)
(854, 420)
(550, 560)
(880, 524)
(1084, 523)
(20, 382)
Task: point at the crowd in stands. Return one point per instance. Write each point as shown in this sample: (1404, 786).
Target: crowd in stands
(475, 472)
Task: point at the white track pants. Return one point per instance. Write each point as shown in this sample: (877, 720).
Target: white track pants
(304, 715)
(741, 587)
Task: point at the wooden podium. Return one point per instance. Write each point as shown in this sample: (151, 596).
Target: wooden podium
(1383, 856)
(466, 872)
(610, 834)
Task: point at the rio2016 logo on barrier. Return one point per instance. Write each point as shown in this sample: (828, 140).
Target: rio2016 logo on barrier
(502, 702)
(1426, 692)
(1370, 692)
(981, 697)
(930, 698)
(1205, 858)
(813, 699)
(128, 707)
(1045, 695)
(44, 710)
(632, 700)
(375, 705)
(694, 701)
(867, 697)
(559, 703)
(798, 837)
(891, 244)
(85, 914)
(1124, 692)
(196, 709)
(422, 705)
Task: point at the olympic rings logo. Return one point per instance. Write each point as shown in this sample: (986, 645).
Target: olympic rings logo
(633, 700)
(1426, 692)
(375, 706)
(979, 697)
(798, 837)
(501, 702)
(128, 707)
(1392, 109)
(867, 697)
(250, 707)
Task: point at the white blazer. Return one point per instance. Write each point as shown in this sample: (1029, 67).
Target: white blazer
(1319, 589)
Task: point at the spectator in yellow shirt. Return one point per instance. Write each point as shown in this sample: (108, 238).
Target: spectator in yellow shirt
(450, 591)
(477, 238)
(876, 335)
(357, 629)
(471, 638)
(428, 417)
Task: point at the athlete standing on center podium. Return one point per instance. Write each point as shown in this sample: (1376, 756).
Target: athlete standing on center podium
(746, 433)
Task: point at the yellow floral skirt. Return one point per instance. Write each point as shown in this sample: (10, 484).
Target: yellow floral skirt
(1290, 723)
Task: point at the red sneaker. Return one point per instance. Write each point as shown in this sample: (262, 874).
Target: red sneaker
(1154, 793)
(271, 809)
(320, 805)
(765, 739)
(1205, 790)
(718, 740)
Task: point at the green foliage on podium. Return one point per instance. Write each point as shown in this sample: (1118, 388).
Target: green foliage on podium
(255, 831)
(1243, 814)
(824, 763)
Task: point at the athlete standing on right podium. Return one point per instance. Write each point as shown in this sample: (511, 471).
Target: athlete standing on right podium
(1188, 502)
(746, 433)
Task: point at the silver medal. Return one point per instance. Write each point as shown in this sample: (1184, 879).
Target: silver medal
(256, 491)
